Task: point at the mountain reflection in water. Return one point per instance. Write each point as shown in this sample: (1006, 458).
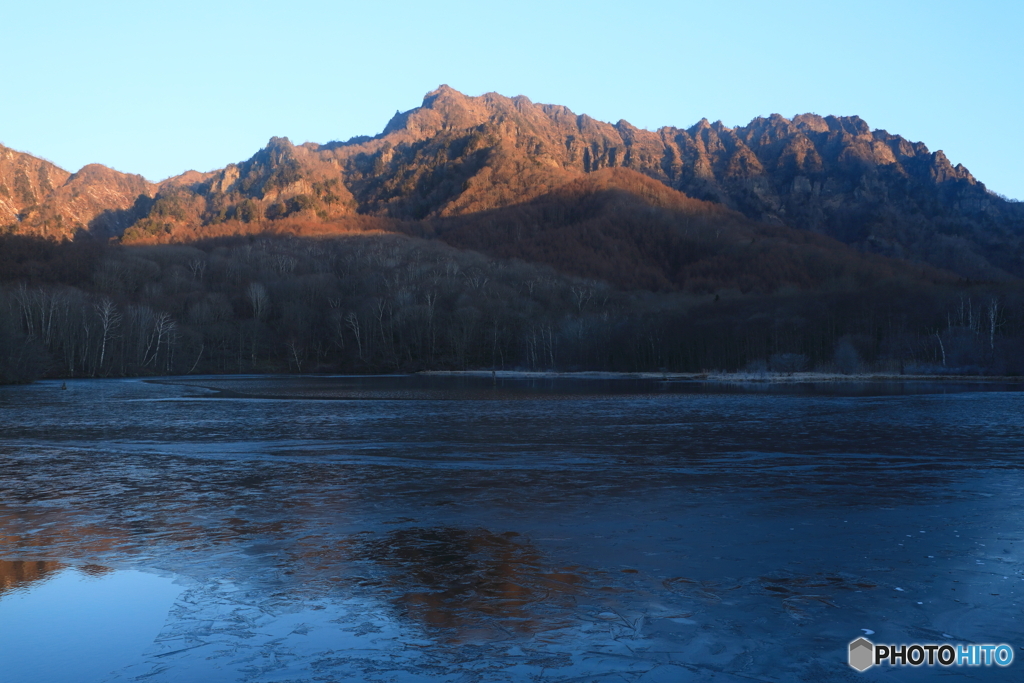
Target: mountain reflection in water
(18, 574)
(472, 583)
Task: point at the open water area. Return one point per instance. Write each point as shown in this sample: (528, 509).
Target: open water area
(466, 529)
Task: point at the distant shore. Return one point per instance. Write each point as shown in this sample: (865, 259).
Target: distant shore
(767, 377)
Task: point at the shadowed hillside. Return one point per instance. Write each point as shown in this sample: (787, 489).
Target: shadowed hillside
(386, 302)
(614, 225)
(624, 228)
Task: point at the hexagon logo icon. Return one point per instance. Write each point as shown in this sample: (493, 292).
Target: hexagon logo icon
(862, 654)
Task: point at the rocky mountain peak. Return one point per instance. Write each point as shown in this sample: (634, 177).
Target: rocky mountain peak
(811, 122)
(443, 91)
(850, 125)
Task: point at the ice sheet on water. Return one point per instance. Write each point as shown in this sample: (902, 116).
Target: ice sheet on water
(535, 532)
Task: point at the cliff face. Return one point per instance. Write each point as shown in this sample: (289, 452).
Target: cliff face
(39, 198)
(459, 156)
(25, 181)
(867, 188)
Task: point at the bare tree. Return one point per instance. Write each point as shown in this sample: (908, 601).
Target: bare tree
(993, 318)
(942, 348)
(297, 351)
(165, 329)
(110, 319)
(198, 268)
(259, 300)
(353, 323)
(581, 295)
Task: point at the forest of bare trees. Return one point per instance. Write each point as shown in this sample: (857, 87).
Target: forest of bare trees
(389, 303)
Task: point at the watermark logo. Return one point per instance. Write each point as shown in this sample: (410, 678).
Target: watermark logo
(864, 654)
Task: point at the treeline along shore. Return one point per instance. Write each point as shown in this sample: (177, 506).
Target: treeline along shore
(380, 303)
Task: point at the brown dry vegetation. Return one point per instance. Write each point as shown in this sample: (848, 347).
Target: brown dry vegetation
(614, 225)
(627, 229)
(294, 226)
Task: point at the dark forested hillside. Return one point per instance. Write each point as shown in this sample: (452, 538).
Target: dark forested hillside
(385, 303)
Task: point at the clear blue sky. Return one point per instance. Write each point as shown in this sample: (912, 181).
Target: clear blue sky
(159, 88)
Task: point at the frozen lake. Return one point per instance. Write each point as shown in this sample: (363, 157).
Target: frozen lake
(459, 529)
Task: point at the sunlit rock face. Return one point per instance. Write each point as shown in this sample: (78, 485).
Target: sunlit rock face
(37, 197)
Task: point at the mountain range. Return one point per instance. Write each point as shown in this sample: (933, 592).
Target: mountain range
(512, 178)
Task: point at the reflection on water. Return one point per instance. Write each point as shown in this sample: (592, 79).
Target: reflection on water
(472, 583)
(18, 573)
(406, 529)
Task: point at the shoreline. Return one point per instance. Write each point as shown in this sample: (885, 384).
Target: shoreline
(701, 377)
(726, 377)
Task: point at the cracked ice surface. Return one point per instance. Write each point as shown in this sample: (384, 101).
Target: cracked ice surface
(450, 529)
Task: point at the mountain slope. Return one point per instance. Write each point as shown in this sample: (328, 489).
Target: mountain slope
(830, 175)
(622, 227)
(39, 198)
(459, 156)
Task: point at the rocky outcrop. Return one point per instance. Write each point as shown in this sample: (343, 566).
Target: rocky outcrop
(37, 197)
(25, 181)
